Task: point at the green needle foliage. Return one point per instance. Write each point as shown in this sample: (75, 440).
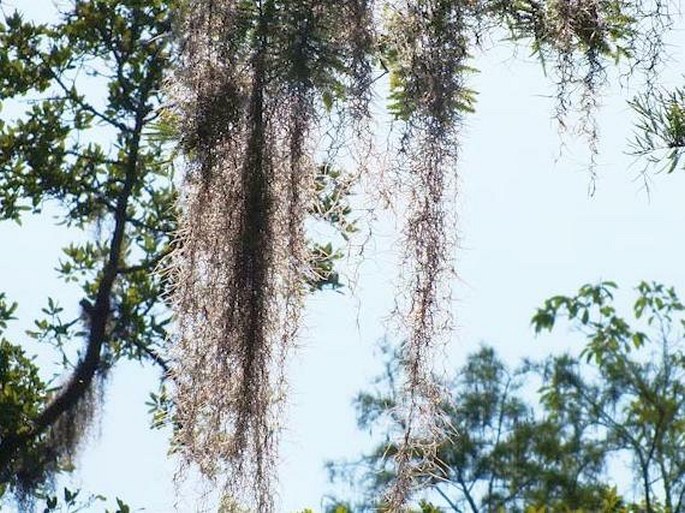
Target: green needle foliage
(660, 131)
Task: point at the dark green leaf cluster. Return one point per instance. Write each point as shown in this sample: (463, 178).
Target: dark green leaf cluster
(74, 502)
(22, 394)
(331, 205)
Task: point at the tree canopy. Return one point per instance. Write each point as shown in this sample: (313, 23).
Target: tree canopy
(619, 399)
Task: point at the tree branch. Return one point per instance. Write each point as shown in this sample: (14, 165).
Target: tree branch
(85, 371)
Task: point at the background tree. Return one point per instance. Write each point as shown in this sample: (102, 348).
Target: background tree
(619, 400)
(635, 399)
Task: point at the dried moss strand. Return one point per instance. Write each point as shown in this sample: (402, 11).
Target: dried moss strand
(429, 57)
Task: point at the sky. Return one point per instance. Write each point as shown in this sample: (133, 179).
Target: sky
(527, 229)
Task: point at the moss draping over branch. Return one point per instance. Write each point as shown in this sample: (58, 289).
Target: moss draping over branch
(576, 41)
(252, 79)
(425, 45)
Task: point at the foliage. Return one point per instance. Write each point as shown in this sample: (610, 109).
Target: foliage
(637, 402)
(22, 392)
(54, 154)
(73, 502)
(660, 131)
(501, 454)
(620, 399)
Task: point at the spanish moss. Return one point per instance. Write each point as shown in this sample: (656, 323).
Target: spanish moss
(249, 87)
(425, 56)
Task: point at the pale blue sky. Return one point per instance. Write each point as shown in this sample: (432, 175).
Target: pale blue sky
(527, 228)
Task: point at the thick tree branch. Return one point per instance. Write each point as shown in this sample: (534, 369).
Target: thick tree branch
(84, 373)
